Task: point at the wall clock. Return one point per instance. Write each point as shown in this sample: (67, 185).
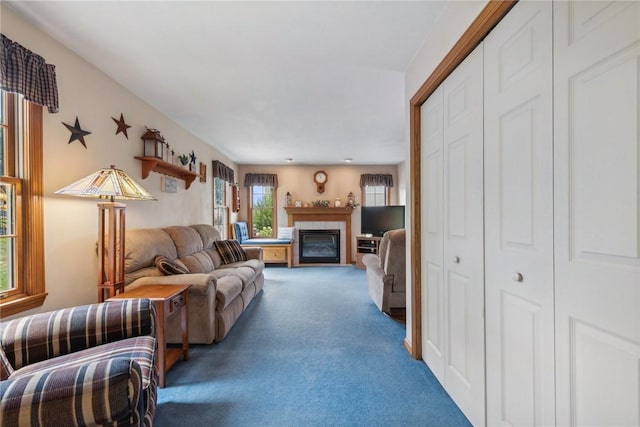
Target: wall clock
(320, 179)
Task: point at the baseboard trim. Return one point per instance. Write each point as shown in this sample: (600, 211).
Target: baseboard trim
(407, 346)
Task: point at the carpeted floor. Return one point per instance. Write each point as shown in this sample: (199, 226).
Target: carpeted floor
(311, 350)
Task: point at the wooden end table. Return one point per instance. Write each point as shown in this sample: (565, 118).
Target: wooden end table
(167, 299)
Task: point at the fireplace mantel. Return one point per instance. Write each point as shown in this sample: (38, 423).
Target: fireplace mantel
(324, 214)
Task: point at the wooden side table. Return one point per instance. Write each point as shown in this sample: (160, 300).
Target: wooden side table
(167, 299)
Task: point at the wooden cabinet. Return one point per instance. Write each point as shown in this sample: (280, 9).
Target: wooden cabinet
(364, 246)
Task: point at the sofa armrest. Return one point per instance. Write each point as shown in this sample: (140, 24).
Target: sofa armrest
(253, 252)
(371, 260)
(42, 336)
(201, 283)
(98, 393)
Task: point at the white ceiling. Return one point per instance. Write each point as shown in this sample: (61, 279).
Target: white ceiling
(315, 81)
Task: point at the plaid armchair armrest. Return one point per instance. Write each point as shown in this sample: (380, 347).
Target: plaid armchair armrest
(107, 392)
(42, 336)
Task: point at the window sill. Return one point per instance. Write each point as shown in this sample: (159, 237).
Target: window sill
(20, 303)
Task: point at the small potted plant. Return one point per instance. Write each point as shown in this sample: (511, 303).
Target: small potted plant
(184, 159)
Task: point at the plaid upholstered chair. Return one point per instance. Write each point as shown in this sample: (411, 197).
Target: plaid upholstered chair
(88, 365)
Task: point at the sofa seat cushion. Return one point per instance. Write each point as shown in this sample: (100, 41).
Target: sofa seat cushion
(256, 265)
(140, 349)
(244, 273)
(228, 288)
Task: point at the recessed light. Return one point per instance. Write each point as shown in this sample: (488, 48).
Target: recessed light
(288, 160)
(348, 160)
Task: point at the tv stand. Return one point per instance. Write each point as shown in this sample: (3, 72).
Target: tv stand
(366, 245)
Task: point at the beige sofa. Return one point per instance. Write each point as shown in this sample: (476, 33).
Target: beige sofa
(386, 272)
(219, 292)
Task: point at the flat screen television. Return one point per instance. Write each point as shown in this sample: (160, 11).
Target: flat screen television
(375, 220)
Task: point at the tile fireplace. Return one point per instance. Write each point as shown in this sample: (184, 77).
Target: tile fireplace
(330, 218)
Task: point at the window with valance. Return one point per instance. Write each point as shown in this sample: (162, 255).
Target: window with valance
(376, 189)
(27, 83)
(25, 73)
(224, 172)
(223, 176)
(262, 203)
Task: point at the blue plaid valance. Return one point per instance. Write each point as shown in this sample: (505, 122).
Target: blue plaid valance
(24, 72)
(376, 180)
(261, 179)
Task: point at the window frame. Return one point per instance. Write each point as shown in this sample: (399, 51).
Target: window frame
(224, 227)
(387, 195)
(27, 142)
(16, 236)
(274, 210)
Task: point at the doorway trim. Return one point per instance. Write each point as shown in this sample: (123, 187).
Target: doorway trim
(491, 14)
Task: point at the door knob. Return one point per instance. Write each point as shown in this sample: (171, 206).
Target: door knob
(456, 259)
(518, 277)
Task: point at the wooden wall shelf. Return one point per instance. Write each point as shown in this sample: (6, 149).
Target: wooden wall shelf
(158, 165)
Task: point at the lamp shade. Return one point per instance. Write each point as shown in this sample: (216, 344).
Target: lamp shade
(109, 183)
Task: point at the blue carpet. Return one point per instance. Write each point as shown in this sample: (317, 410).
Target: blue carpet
(311, 350)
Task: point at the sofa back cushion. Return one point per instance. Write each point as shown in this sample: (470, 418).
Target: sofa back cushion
(241, 230)
(208, 234)
(186, 239)
(200, 262)
(143, 245)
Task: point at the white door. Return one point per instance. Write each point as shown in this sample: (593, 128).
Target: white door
(597, 202)
(519, 218)
(463, 259)
(433, 339)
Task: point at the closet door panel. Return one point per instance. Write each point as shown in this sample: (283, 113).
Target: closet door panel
(463, 240)
(597, 180)
(519, 218)
(432, 244)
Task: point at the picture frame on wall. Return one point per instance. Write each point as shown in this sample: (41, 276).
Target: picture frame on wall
(168, 184)
(235, 198)
(203, 172)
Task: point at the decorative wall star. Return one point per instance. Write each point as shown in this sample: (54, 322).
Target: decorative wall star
(122, 126)
(77, 134)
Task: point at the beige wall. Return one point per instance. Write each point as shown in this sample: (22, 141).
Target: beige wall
(71, 224)
(298, 180)
(452, 23)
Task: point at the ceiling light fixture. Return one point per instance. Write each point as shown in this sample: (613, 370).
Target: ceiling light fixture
(348, 160)
(288, 160)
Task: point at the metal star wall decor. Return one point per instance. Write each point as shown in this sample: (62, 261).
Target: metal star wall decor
(122, 126)
(77, 134)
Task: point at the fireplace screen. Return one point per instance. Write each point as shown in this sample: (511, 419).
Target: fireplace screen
(319, 246)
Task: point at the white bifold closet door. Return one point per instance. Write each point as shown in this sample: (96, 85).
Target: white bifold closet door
(453, 270)
(432, 245)
(597, 211)
(519, 218)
